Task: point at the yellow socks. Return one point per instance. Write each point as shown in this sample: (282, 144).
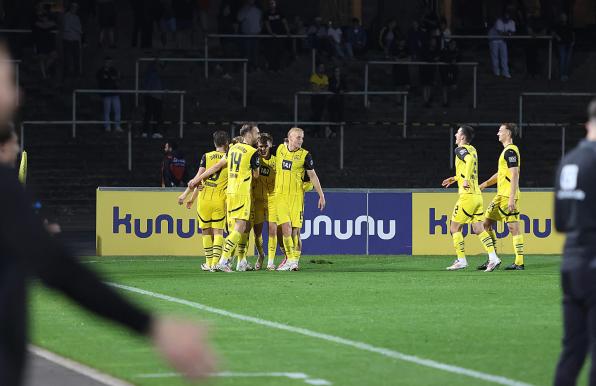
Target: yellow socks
(487, 242)
(208, 247)
(518, 247)
(289, 247)
(230, 244)
(493, 235)
(297, 248)
(271, 249)
(458, 243)
(242, 247)
(218, 241)
(259, 245)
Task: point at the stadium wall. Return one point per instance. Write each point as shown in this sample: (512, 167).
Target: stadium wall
(137, 221)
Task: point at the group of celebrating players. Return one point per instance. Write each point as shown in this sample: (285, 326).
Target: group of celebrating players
(469, 207)
(244, 183)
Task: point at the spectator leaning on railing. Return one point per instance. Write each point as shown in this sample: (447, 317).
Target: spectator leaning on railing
(71, 40)
(565, 38)
(275, 24)
(356, 38)
(318, 82)
(249, 18)
(504, 26)
(108, 79)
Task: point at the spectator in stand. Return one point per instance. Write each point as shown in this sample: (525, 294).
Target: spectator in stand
(335, 35)
(356, 39)
(183, 12)
(388, 37)
(71, 40)
(534, 27)
(153, 101)
(414, 41)
(504, 26)
(565, 38)
(400, 72)
(167, 23)
(298, 28)
(107, 79)
(317, 35)
(106, 15)
(275, 24)
(450, 73)
(430, 53)
(173, 167)
(444, 34)
(249, 18)
(318, 82)
(338, 86)
(44, 32)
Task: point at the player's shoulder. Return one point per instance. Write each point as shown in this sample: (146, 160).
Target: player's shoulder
(461, 152)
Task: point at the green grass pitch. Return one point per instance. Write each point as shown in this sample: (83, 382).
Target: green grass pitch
(502, 323)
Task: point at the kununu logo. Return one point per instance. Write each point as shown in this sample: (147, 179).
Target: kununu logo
(345, 229)
(440, 226)
(145, 228)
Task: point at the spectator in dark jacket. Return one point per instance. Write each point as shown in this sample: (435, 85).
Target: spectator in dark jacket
(107, 79)
(565, 38)
(153, 101)
(335, 105)
(356, 39)
(173, 167)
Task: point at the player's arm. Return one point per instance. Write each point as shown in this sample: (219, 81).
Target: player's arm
(490, 182)
(512, 160)
(207, 173)
(468, 171)
(255, 165)
(193, 198)
(310, 170)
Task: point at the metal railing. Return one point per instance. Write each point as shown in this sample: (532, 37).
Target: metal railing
(17, 75)
(200, 60)
(93, 91)
(279, 36)
(547, 94)
(404, 63)
(402, 93)
(53, 123)
(15, 31)
(515, 37)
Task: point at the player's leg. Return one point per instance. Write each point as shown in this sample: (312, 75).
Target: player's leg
(242, 263)
(258, 231)
(492, 215)
(230, 244)
(518, 246)
(284, 218)
(218, 242)
(458, 217)
(207, 238)
(271, 245)
(280, 243)
(478, 227)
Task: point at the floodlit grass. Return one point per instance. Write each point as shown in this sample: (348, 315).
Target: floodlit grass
(502, 323)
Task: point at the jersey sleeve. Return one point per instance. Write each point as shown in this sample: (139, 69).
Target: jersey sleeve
(255, 161)
(461, 153)
(203, 163)
(308, 162)
(511, 158)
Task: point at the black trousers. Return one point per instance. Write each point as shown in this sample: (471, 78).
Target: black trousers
(579, 321)
(153, 109)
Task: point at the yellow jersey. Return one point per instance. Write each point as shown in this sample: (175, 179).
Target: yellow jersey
(466, 168)
(509, 158)
(242, 159)
(264, 186)
(290, 167)
(214, 187)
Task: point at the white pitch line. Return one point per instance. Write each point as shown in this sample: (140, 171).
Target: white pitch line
(497, 379)
(229, 374)
(77, 367)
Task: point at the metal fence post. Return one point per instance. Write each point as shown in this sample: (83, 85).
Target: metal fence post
(74, 114)
(137, 82)
(366, 85)
(404, 134)
(550, 58)
(521, 106)
(295, 109)
(341, 146)
(22, 136)
(129, 148)
(475, 67)
(206, 58)
(181, 123)
(562, 141)
(244, 85)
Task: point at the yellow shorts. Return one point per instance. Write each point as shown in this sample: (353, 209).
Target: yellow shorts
(264, 210)
(238, 207)
(497, 210)
(468, 209)
(212, 214)
(290, 209)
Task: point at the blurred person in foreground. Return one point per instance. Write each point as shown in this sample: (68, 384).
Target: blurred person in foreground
(27, 251)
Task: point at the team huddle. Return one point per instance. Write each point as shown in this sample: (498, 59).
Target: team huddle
(469, 207)
(244, 183)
